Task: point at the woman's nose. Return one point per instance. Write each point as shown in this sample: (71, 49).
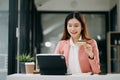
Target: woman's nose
(72, 28)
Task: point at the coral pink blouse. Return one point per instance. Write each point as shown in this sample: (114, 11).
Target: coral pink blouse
(86, 64)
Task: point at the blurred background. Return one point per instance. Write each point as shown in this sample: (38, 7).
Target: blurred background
(36, 26)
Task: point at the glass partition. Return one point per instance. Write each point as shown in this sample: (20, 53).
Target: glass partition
(53, 25)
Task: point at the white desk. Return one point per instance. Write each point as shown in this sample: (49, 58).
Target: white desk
(63, 77)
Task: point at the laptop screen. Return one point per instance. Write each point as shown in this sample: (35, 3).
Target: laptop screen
(51, 64)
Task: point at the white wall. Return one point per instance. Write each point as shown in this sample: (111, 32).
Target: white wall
(4, 5)
(113, 3)
(72, 5)
(4, 12)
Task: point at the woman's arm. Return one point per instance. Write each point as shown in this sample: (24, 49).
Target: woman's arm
(95, 63)
(58, 49)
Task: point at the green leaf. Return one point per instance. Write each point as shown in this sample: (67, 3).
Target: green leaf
(24, 57)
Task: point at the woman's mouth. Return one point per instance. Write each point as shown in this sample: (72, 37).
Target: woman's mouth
(73, 32)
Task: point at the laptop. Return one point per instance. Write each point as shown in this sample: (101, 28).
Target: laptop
(51, 64)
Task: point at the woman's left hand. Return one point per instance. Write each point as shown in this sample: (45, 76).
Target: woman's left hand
(88, 49)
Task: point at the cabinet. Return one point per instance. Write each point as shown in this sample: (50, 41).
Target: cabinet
(113, 52)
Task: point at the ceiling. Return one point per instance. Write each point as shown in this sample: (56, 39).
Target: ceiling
(69, 5)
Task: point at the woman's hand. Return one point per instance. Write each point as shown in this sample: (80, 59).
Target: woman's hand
(88, 49)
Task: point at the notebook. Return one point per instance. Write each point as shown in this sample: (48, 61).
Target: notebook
(51, 64)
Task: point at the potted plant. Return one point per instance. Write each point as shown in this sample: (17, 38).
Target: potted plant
(23, 58)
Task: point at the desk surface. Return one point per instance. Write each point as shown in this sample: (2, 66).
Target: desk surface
(63, 77)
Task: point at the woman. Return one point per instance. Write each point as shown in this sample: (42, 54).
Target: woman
(80, 58)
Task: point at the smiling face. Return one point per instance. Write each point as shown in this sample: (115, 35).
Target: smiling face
(74, 28)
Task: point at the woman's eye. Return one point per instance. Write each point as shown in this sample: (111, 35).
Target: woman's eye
(76, 25)
(69, 25)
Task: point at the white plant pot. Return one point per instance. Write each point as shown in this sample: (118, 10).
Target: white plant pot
(29, 67)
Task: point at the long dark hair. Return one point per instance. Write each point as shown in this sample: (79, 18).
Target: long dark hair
(81, 19)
